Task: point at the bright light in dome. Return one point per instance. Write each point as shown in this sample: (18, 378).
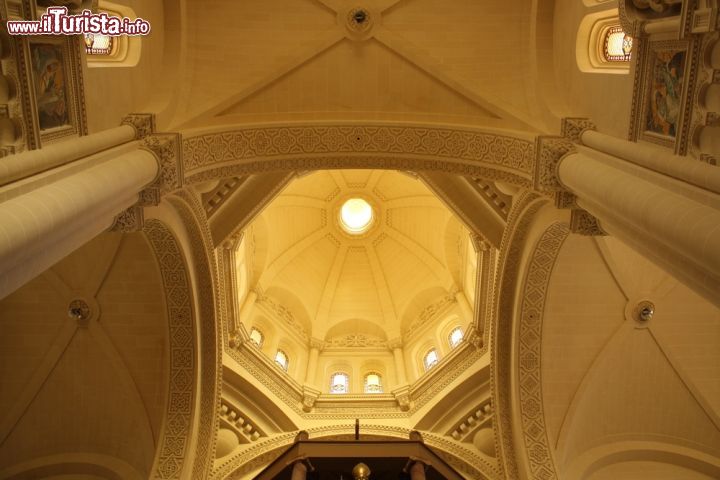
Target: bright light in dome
(356, 215)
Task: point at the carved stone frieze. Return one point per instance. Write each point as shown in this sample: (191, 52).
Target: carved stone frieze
(254, 150)
(583, 223)
(572, 128)
(143, 123)
(550, 150)
(356, 341)
(537, 447)
(178, 419)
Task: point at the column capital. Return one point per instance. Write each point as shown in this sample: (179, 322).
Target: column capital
(572, 128)
(394, 343)
(310, 395)
(316, 343)
(402, 396)
(143, 123)
(583, 223)
(129, 220)
(167, 149)
(549, 151)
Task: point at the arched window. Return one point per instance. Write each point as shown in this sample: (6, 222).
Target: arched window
(617, 45)
(601, 45)
(455, 337)
(256, 336)
(282, 359)
(113, 51)
(430, 359)
(339, 383)
(97, 44)
(373, 383)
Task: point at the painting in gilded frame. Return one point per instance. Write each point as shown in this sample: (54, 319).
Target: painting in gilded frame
(51, 85)
(664, 103)
(51, 88)
(663, 86)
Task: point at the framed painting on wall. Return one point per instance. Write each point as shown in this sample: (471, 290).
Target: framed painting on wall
(52, 90)
(661, 117)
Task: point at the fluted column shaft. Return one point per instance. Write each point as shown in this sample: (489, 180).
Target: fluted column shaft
(39, 228)
(679, 233)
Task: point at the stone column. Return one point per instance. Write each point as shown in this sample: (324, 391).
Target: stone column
(23, 165)
(39, 228)
(311, 373)
(677, 230)
(417, 471)
(692, 171)
(299, 471)
(400, 372)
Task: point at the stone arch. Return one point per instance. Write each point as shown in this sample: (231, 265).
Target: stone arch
(222, 152)
(525, 226)
(177, 425)
(187, 441)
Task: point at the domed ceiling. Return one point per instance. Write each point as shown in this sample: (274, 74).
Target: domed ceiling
(406, 254)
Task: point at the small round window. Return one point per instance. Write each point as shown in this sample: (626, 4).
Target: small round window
(356, 216)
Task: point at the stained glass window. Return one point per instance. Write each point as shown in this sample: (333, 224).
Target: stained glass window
(617, 45)
(256, 336)
(455, 337)
(430, 359)
(96, 44)
(339, 383)
(281, 359)
(373, 383)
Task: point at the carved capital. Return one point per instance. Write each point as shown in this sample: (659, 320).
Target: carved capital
(238, 337)
(317, 343)
(565, 200)
(395, 343)
(402, 396)
(480, 243)
(232, 242)
(474, 338)
(310, 396)
(549, 150)
(130, 220)
(582, 223)
(143, 123)
(167, 149)
(572, 128)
